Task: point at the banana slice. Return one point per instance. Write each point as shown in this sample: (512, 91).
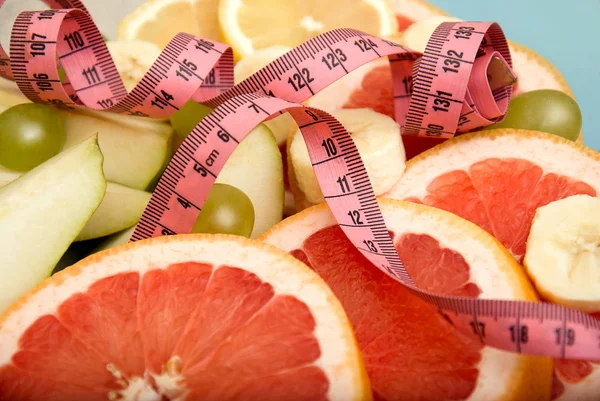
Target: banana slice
(416, 36)
(563, 252)
(280, 125)
(133, 58)
(379, 143)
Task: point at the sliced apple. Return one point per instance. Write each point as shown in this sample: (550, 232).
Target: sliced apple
(256, 168)
(42, 212)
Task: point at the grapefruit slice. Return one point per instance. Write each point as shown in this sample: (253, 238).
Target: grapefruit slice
(410, 351)
(498, 178)
(181, 318)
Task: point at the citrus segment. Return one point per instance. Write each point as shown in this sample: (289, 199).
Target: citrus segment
(573, 371)
(484, 195)
(576, 379)
(181, 318)
(376, 91)
(403, 22)
(172, 295)
(411, 352)
(497, 179)
(331, 255)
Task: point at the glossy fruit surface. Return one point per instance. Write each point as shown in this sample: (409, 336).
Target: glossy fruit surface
(227, 210)
(30, 134)
(545, 110)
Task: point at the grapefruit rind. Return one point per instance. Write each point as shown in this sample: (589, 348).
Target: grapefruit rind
(503, 375)
(545, 76)
(340, 358)
(552, 153)
(500, 277)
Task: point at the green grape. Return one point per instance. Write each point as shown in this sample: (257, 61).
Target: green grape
(30, 134)
(186, 118)
(227, 210)
(543, 110)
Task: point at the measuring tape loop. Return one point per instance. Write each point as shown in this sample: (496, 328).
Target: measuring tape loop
(186, 183)
(203, 68)
(462, 81)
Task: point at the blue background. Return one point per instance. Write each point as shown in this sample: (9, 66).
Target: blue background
(561, 31)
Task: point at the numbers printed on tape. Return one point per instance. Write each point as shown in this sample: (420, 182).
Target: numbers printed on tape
(432, 96)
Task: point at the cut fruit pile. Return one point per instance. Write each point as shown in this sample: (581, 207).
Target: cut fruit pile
(294, 311)
(497, 179)
(410, 350)
(200, 317)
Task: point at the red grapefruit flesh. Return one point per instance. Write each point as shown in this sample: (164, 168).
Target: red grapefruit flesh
(403, 22)
(163, 329)
(335, 259)
(571, 373)
(411, 352)
(497, 179)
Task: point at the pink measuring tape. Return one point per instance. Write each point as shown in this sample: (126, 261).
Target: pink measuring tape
(442, 92)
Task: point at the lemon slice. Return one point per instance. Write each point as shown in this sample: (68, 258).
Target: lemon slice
(158, 21)
(251, 25)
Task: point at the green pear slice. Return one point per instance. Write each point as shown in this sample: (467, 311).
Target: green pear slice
(120, 208)
(135, 149)
(256, 168)
(42, 212)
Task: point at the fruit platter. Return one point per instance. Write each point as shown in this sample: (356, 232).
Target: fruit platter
(267, 200)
